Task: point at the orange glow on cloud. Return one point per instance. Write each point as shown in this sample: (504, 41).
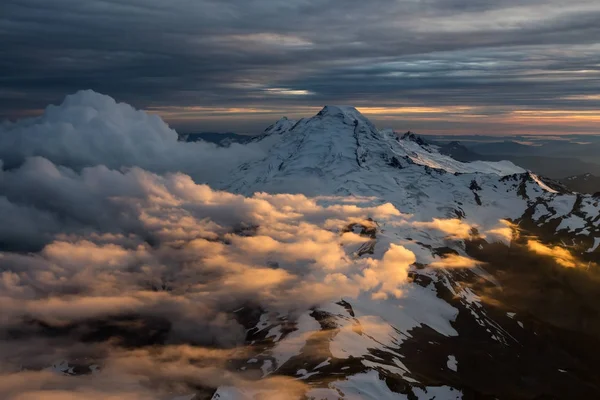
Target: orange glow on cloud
(455, 261)
(415, 110)
(561, 256)
(399, 117)
(555, 115)
(199, 113)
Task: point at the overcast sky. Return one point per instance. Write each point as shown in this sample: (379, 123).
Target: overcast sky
(433, 66)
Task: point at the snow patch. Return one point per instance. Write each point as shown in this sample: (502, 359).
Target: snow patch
(293, 343)
(366, 386)
(594, 246)
(541, 183)
(572, 223)
(452, 364)
(323, 364)
(438, 392)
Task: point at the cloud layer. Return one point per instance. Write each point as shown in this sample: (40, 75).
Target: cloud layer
(115, 255)
(101, 263)
(125, 253)
(89, 129)
(434, 66)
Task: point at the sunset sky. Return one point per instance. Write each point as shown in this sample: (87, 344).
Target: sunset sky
(431, 66)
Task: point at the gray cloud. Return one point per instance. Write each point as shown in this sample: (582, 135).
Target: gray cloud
(502, 54)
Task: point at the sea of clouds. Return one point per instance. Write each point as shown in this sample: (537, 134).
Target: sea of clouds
(109, 224)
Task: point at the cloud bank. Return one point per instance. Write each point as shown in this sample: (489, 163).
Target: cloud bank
(134, 251)
(435, 65)
(89, 129)
(140, 271)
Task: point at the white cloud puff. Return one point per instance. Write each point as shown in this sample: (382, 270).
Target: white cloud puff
(90, 129)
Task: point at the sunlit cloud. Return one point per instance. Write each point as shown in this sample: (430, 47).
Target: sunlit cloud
(506, 232)
(452, 228)
(200, 113)
(555, 116)
(288, 92)
(455, 228)
(415, 110)
(454, 261)
(559, 254)
(585, 97)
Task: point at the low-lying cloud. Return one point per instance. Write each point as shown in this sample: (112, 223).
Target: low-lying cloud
(135, 248)
(138, 249)
(113, 254)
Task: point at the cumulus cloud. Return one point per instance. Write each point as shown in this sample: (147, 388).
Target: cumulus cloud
(388, 274)
(89, 129)
(146, 374)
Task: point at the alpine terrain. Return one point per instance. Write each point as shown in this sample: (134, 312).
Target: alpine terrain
(339, 261)
(519, 324)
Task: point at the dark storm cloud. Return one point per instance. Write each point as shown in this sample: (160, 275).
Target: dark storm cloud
(513, 54)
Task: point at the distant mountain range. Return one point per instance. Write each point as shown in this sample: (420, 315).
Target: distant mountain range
(584, 183)
(573, 172)
(220, 139)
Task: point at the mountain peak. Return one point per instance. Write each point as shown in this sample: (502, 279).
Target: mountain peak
(414, 138)
(336, 110)
(341, 112)
(346, 114)
(280, 126)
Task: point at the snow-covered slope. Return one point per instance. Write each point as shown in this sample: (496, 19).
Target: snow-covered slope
(338, 150)
(372, 343)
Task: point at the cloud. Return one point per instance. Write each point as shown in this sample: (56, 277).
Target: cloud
(455, 228)
(126, 373)
(505, 233)
(120, 258)
(89, 129)
(455, 261)
(560, 255)
(529, 55)
(387, 275)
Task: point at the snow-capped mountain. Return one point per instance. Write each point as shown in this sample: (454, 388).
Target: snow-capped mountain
(340, 152)
(455, 333)
(351, 262)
